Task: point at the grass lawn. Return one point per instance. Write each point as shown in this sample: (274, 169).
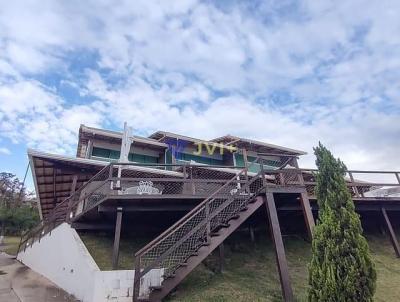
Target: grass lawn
(10, 245)
(100, 247)
(250, 271)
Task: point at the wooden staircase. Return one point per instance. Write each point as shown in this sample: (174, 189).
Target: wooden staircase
(188, 242)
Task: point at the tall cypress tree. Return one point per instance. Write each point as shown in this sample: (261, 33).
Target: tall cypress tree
(341, 267)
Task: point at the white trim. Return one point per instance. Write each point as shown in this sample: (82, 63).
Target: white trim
(35, 184)
(117, 134)
(259, 143)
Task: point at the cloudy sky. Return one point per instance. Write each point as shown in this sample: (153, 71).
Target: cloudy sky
(285, 72)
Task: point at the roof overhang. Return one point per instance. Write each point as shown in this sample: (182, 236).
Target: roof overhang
(258, 146)
(162, 136)
(54, 174)
(86, 133)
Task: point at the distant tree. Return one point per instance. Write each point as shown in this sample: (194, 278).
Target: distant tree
(341, 267)
(17, 207)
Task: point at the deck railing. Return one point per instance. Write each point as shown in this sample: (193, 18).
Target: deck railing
(130, 181)
(173, 247)
(362, 184)
(64, 210)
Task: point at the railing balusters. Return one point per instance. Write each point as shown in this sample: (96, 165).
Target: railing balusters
(221, 202)
(208, 226)
(262, 172)
(281, 179)
(192, 182)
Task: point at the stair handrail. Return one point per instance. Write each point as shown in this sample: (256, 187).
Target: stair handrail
(166, 232)
(54, 215)
(211, 216)
(229, 181)
(235, 179)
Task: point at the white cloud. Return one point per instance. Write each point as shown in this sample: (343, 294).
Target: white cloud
(5, 151)
(36, 116)
(290, 74)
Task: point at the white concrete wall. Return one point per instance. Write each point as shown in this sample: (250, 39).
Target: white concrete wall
(62, 257)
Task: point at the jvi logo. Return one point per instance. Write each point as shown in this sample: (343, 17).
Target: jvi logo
(212, 147)
(177, 147)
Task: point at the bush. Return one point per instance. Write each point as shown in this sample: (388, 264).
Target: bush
(341, 268)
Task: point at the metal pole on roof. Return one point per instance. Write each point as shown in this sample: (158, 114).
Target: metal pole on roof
(125, 144)
(125, 148)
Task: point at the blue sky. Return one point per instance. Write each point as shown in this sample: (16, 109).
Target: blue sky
(285, 72)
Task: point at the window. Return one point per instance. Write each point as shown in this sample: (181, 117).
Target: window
(199, 159)
(269, 164)
(114, 155)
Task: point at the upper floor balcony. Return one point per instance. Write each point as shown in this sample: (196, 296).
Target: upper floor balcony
(120, 184)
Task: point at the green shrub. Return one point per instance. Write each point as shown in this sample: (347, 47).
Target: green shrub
(341, 267)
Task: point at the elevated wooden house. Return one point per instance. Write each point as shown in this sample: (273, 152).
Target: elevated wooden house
(193, 192)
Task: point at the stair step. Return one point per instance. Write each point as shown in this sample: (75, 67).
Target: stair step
(168, 277)
(156, 287)
(215, 234)
(203, 250)
(244, 209)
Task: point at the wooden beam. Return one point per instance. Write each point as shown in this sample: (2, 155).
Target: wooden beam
(279, 247)
(62, 182)
(392, 234)
(148, 208)
(287, 189)
(92, 226)
(74, 182)
(307, 213)
(117, 236)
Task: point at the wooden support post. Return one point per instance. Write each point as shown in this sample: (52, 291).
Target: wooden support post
(117, 236)
(246, 171)
(392, 234)
(54, 188)
(246, 162)
(252, 237)
(353, 185)
(221, 254)
(307, 212)
(73, 185)
(279, 248)
(72, 199)
(173, 155)
(192, 182)
(136, 280)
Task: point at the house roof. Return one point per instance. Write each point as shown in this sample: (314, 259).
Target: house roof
(259, 146)
(229, 140)
(86, 132)
(156, 140)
